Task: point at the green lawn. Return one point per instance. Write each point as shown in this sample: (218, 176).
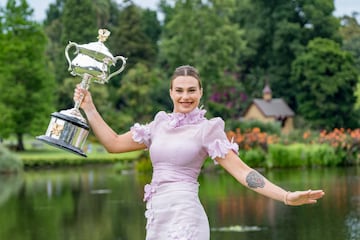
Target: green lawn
(39, 154)
(57, 157)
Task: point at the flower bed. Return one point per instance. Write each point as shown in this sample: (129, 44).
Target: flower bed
(259, 149)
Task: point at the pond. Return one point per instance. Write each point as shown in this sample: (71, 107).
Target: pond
(97, 203)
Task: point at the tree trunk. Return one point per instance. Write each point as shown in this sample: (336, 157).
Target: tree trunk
(20, 143)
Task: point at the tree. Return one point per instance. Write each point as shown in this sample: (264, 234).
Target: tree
(79, 22)
(152, 28)
(202, 35)
(27, 81)
(71, 20)
(103, 12)
(324, 78)
(55, 49)
(350, 33)
(130, 36)
(357, 95)
(139, 96)
(276, 32)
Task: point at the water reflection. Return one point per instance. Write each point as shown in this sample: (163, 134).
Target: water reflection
(96, 203)
(230, 206)
(9, 185)
(352, 220)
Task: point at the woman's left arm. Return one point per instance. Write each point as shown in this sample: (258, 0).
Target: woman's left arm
(255, 181)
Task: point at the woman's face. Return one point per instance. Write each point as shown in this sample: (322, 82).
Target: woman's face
(185, 94)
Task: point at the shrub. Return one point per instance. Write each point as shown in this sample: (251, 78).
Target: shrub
(300, 148)
(302, 155)
(9, 162)
(271, 128)
(252, 138)
(123, 166)
(255, 157)
(143, 163)
(322, 155)
(299, 136)
(345, 142)
(285, 156)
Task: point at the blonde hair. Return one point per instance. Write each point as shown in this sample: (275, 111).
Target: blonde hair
(186, 70)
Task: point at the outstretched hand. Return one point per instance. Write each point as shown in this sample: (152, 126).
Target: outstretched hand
(303, 197)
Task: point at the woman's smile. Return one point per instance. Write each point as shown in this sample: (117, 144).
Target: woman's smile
(185, 94)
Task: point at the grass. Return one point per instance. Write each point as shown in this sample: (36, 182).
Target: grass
(55, 157)
(39, 154)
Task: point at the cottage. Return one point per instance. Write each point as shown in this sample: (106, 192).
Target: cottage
(270, 109)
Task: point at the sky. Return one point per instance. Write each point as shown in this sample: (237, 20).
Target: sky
(342, 7)
(40, 6)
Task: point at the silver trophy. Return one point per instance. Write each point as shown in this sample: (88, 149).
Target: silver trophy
(68, 129)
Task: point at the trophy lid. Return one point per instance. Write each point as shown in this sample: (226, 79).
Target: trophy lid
(97, 49)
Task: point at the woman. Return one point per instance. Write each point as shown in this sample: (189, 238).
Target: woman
(178, 144)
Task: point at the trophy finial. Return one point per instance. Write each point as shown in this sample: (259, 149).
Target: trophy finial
(103, 35)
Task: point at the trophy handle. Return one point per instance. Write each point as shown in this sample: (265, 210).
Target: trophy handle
(85, 84)
(71, 44)
(123, 59)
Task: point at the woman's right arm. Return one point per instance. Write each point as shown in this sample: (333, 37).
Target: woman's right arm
(113, 142)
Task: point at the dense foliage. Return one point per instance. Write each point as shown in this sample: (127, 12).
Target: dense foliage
(311, 148)
(26, 77)
(10, 163)
(308, 56)
(324, 77)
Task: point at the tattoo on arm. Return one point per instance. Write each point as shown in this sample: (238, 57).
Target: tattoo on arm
(255, 180)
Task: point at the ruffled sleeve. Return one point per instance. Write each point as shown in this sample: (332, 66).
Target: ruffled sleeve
(141, 133)
(215, 140)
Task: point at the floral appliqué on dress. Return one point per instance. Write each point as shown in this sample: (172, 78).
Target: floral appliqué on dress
(183, 232)
(149, 189)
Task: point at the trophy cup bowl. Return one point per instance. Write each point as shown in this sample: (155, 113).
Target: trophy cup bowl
(68, 129)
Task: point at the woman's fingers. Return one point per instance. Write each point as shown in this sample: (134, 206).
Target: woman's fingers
(304, 197)
(79, 92)
(316, 194)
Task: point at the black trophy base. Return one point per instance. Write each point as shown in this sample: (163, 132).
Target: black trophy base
(62, 145)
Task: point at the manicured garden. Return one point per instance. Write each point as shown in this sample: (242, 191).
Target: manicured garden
(339, 147)
(40, 155)
(259, 149)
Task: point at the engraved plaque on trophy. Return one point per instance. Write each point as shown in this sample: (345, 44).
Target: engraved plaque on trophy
(68, 129)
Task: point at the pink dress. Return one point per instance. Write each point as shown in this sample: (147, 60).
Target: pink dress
(178, 145)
